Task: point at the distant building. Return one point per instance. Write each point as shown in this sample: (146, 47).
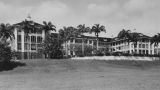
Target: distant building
(74, 45)
(28, 46)
(143, 46)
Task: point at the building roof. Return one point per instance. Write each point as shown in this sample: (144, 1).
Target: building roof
(132, 34)
(30, 22)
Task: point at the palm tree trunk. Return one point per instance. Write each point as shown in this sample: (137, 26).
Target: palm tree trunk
(66, 48)
(97, 44)
(82, 46)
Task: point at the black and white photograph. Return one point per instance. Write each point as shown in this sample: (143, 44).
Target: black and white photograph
(79, 44)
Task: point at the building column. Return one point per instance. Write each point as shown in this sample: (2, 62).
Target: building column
(22, 43)
(15, 40)
(43, 34)
(149, 47)
(130, 48)
(74, 50)
(68, 47)
(138, 47)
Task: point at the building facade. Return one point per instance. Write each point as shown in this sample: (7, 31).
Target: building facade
(143, 46)
(74, 46)
(28, 43)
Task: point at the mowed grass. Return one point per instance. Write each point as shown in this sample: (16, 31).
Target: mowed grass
(82, 75)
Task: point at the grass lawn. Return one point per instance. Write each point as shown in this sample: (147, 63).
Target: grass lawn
(81, 75)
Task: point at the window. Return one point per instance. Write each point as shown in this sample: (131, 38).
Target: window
(139, 45)
(94, 43)
(146, 51)
(39, 39)
(143, 45)
(135, 51)
(26, 38)
(140, 52)
(155, 51)
(146, 45)
(33, 39)
(19, 46)
(19, 38)
(78, 41)
(135, 45)
(33, 46)
(90, 41)
(26, 46)
(143, 51)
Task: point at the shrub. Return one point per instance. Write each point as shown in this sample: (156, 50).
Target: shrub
(5, 53)
(56, 54)
(99, 53)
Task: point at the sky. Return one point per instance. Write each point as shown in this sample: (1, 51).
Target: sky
(136, 15)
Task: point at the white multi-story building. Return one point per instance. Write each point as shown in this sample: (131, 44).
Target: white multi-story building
(73, 46)
(27, 45)
(143, 46)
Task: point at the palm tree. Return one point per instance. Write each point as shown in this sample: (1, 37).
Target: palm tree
(81, 30)
(65, 36)
(6, 32)
(131, 37)
(48, 27)
(155, 39)
(66, 33)
(124, 34)
(97, 29)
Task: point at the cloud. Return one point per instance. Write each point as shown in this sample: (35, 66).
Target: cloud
(10, 13)
(101, 10)
(47, 11)
(142, 15)
(50, 11)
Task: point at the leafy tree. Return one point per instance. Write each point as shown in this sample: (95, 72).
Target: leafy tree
(155, 39)
(48, 27)
(27, 26)
(131, 37)
(6, 32)
(81, 30)
(5, 53)
(65, 34)
(124, 34)
(52, 47)
(97, 28)
(77, 48)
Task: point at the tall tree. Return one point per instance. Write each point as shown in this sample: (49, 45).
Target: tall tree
(129, 36)
(52, 47)
(66, 33)
(97, 29)
(6, 32)
(124, 34)
(48, 27)
(155, 39)
(81, 30)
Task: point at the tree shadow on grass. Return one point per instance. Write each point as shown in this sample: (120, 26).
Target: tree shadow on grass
(5, 66)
